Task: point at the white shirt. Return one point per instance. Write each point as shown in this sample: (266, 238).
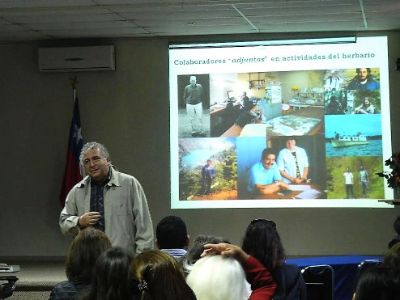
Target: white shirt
(287, 162)
(348, 177)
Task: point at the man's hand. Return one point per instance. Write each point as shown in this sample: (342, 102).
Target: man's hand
(89, 219)
(225, 249)
(282, 185)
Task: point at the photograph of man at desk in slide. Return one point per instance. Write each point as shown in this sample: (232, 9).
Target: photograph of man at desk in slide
(298, 163)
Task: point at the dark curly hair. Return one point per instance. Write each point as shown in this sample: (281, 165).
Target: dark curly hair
(263, 242)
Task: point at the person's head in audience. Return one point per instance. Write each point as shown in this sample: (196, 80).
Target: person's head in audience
(392, 260)
(376, 283)
(160, 277)
(217, 277)
(396, 227)
(83, 252)
(394, 241)
(197, 248)
(113, 278)
(171, 233)
(262, 241)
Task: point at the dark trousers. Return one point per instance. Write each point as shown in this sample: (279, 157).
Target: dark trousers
(349, 191)
(206, 186)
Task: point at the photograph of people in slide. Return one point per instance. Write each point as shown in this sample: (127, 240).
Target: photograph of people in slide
(193, 103)
(295, 161)
(303, 155)
(366, 102)
(276, 103)
(362, 79)
(260, 135)
(207, 169)
(354, 177)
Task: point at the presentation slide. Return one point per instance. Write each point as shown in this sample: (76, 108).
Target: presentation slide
(300, 123)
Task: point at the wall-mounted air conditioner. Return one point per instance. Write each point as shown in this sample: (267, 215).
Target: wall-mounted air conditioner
(74, 59)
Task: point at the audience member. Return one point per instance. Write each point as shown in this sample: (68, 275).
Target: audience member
(83, 252)
(263, 242)
(396, 227)
(392, 262)
(264, 176)
(160, 277)
(376, 283)
(172, 237)
(113, 278)
(217, 277)
(197, 248)
(293, 162)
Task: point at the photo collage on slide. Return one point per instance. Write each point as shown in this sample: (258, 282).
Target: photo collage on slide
(330, 117)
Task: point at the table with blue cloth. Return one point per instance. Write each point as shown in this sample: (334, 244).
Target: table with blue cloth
(345, 268)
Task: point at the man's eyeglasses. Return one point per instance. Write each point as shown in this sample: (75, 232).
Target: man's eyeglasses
(265, 221)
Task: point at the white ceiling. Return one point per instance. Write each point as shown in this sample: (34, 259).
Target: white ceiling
(24, 20)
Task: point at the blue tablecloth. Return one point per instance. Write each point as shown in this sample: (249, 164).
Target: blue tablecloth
(345, 267)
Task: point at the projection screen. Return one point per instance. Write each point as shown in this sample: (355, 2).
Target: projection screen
(319, 108)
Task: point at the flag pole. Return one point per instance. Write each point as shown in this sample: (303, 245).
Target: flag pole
(74, 82)
(73, 169)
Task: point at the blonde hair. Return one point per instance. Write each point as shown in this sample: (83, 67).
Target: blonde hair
(162, 277)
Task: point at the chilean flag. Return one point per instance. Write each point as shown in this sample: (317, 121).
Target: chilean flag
(72, 174)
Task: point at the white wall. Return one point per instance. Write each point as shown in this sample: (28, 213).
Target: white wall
(128, 111)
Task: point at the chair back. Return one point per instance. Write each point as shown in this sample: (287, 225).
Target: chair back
(366, 264)
(363, 266)
(7, 289)
(319, 281)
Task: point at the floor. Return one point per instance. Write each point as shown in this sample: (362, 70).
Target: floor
(37, 275)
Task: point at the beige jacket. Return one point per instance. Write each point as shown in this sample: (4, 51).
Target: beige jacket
(126, 213)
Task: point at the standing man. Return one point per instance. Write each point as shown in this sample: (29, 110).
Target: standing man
(193, 97)
(363, 174)
(293, 162)
(363, 81)
(108, 200)
(207, 176)
(264, 176)
(349, 183)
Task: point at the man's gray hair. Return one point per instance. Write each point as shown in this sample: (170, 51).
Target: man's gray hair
(94, 145)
